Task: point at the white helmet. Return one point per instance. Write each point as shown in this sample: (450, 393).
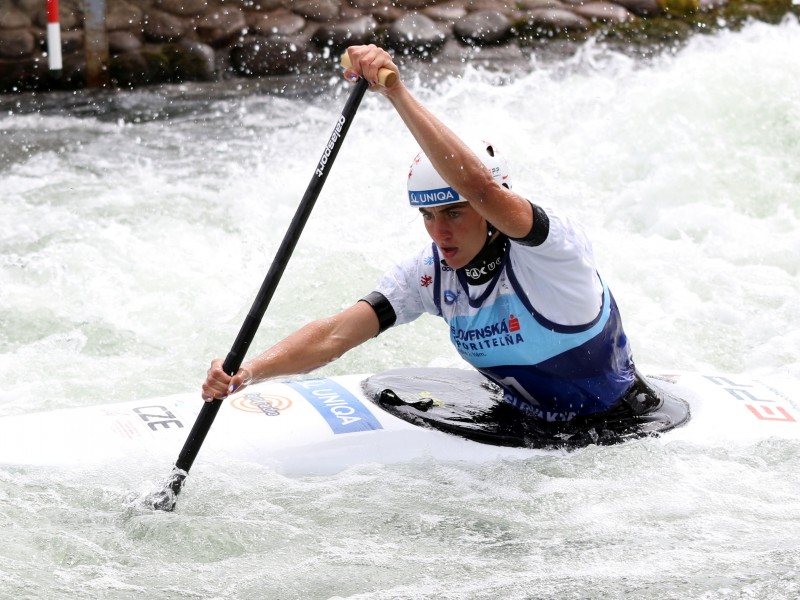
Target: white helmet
(427, 188)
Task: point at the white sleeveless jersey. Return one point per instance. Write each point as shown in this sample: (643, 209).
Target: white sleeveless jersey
(545, 327)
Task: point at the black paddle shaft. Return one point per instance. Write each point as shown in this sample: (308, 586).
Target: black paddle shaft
(251, 323)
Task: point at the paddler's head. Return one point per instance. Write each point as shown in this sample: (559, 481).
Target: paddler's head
(457, 229)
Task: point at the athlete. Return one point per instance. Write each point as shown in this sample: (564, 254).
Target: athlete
(516, 283)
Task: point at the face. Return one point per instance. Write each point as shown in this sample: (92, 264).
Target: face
(458, 231)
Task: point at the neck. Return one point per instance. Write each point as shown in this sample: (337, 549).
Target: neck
(488, 261)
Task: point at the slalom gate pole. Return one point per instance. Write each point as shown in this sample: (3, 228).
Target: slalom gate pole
(54, 62)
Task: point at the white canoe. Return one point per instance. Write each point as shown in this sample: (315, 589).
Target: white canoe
(326, 424)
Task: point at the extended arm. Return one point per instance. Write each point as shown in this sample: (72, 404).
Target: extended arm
(309, 348)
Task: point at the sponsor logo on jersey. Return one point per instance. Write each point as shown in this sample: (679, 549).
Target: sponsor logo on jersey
(450, 297)
(505, 332)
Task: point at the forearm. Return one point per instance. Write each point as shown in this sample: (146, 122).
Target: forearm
(460, 167)
(303, 351)
(453, 159)
(316, 344)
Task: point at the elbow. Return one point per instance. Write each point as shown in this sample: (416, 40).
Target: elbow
(482, 188)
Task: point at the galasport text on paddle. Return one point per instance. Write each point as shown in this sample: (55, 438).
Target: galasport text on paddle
(166, 498)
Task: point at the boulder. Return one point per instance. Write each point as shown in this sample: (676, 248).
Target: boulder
(72, 41)
(388, 14)
(183, 8)
(129, 69)
(123, 15)
(159, 26)
(219, 27)
(21, 74)
(256, 56)
(603, 12)
(120, 42)
(339, 36)
(536, 4)
(16, 43)
(642, 8)
(415, 33)
(445, 12)
(321, 11)
(13, 18)
(555, 20)
(193, 61)
(483, 28)
(411, 4)
(264, 5)
(279, 22)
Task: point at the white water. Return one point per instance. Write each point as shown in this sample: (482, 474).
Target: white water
(137, 228)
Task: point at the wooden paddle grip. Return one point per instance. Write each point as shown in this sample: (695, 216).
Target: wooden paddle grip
(386, 77)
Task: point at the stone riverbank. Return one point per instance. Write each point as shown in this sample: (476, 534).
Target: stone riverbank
(158, 41)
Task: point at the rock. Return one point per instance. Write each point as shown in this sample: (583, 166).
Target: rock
(120, 42)
(279, 22)
(193, 61)
(183, 8)
(70, 15)
(21, 73)
(457, 52)
(255, 56)
(411, 4)
(129, 69)
(122, 15)
(159, 26)
(555, 20)
(72, 41)
(708, 5)
(13, 18)
(415, 33)
(340, 35)
(368, 5)
(445, 12)
(388, 14)
(185, 60)
(483, 28)
(604, 12)
(321, 11)
(16, 43)
(535, 4)
(642, 8)
(264, 5)
(220, 26)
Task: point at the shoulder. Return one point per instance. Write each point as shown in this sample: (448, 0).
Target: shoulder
(556, 235)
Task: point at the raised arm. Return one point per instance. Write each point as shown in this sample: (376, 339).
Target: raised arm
(450, 156)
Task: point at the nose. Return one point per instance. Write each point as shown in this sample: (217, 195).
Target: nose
(438, 228)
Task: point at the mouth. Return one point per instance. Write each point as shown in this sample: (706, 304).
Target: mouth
(448, 251)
